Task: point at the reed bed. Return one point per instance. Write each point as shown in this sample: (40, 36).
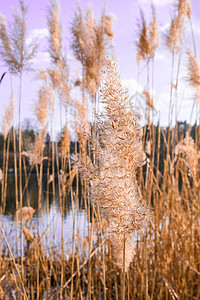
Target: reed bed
(130, 193)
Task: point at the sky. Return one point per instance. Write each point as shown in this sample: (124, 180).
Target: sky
(127, 17)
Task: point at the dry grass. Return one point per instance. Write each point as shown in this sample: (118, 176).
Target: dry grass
(141, 229)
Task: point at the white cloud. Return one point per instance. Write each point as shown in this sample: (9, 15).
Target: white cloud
(36, 35)
(132, 86)
(135, 94)
(195, 28)
(164, 28)
(157, 2)
(41, 60)
(160, 56)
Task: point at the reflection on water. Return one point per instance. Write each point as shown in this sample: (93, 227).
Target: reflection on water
(30, 195)
(49, 226)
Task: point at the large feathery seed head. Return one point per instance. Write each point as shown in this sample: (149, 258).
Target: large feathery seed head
(13, 49)
(55, 31)
(89, 44)
(113, 180)
(194, 74)
(149, 39)
(174, 38)
(184, 8)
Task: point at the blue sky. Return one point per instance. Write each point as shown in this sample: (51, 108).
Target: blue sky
(127, 16)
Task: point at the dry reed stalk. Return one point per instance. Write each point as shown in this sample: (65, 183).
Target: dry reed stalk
(7, 120)
(3, 175)
(73, 245)
(174, 38)
(42, 110)
(17, 56)
(18, 272)
(16, 180)
(174, 41)
(187, 150)
(8, 117)
(6, 173)
(59, 73)
(65, 142)
(148, 42)
(35, 156)
(153, 32)
(103, 256)
(26, 179)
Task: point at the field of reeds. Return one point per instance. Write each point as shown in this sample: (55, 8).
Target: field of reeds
(116, 209)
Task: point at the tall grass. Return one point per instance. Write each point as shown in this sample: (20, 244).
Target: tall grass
(138, 187)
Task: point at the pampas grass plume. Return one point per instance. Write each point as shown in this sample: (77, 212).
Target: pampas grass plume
(8, 117)
(194, 73)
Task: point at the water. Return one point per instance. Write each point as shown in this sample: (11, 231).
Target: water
(49, 225)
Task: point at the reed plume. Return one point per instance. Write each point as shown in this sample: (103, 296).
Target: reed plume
(107, 25)
(24, 214)
(153, 32)
(59, 72)
(187, 150)
(184, 8)
(42, 107)
(194, 73)
(14, 51)
(113, 178)
(64, 87)
(117, 250)
(89, 43)
(8, 117)
(149, 38)
(149, 100)
(119, 157)
(5, 50)
(65, 142)
(83, 129)
(35, 151)
(55, 32)
(174, 38)
(143, 44)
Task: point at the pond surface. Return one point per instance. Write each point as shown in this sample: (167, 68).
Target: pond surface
(49, 225)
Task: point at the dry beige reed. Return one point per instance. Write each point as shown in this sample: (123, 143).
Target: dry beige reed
(14, 51)
(8, 117)
(149, 38)
(194, 73)
(89, 43)
(118, 154)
